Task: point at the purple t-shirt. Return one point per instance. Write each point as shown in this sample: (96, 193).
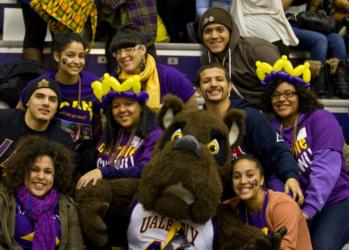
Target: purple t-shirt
(76, 116)
(128, 160)
(173, 81)
(319, 152)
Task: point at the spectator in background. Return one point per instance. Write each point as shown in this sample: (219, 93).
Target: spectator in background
(223, 44)
(38, 15)
(265, 209)
(322, 47)
(41, 100)
(35, 211)
(79, 107)
(131, 133)
(176, 14)
(203, 5)
(115, 14)
(129, 48)
(264, 19)
(316, 140)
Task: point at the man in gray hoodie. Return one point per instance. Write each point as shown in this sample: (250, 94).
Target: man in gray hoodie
(221, 37)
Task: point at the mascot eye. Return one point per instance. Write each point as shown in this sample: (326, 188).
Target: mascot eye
(213, 146)
(177, 134)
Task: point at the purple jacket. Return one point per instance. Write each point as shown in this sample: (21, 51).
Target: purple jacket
(319, 152)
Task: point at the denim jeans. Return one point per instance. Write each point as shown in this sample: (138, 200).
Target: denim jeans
(329, 229)
(321, 46)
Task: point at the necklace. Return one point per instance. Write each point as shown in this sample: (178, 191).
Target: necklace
(79, 89)
(115, 159)
(294, 134)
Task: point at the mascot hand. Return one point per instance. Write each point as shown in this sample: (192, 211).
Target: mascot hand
(92, 223)
(276, 238)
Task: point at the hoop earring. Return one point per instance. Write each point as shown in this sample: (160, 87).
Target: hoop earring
(117, 70)
(142, 64)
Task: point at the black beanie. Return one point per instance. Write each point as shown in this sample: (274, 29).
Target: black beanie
(215, 15)
(37, 83)
(128, 36)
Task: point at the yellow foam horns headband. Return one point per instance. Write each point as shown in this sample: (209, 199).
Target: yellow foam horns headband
(109, 83)
(283, 64)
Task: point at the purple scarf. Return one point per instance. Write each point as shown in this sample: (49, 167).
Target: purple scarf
(41, 213)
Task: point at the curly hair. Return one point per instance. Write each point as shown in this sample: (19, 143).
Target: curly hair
(28, 149)
(307, 99)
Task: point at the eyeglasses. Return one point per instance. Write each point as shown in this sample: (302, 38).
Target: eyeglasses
(127, 50)
(287, 94)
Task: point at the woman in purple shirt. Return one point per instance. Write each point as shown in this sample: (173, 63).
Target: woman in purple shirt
(129, 47)
(316, 141)
(130, 135)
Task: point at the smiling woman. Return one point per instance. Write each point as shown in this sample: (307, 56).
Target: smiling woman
(35, 210)
(265, 209)
(131, 133)
(129, 48)
(316, 141)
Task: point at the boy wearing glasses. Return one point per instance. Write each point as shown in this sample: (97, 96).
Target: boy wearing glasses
(259, 140)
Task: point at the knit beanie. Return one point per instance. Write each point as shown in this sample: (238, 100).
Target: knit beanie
(37, 83)
(215, 15)
(128, 36)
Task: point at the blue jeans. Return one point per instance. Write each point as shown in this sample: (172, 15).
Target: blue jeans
(321, 46)
(329, 229)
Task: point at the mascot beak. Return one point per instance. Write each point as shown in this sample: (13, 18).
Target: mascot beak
(189, 142)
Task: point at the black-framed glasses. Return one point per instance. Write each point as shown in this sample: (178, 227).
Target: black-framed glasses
(286, 94)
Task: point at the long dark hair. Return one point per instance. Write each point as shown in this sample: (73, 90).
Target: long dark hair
(28, 149)
(147, 123)
(307, 99)
(63, 39)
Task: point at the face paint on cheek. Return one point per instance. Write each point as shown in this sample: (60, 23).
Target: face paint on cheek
(254, 183)
(64, 61)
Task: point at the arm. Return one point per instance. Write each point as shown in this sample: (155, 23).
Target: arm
(177, 83)
(326, 145)
(284, 212)
(324, 172)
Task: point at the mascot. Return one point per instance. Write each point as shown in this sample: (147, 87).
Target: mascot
(176, 203)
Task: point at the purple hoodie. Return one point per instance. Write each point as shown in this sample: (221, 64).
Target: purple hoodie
(132, 157)
(319, 153)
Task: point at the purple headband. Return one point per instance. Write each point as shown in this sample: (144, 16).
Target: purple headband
(281, 75)
(140, 97)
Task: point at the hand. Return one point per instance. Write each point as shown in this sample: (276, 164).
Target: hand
(292, 186)
(93, 175)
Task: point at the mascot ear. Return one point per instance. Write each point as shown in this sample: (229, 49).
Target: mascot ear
(171, 106)
(235, 121)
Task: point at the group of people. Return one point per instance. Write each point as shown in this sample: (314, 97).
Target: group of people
(288, 172)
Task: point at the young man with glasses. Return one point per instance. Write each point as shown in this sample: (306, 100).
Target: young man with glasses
(41, 100)
(260, 138)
